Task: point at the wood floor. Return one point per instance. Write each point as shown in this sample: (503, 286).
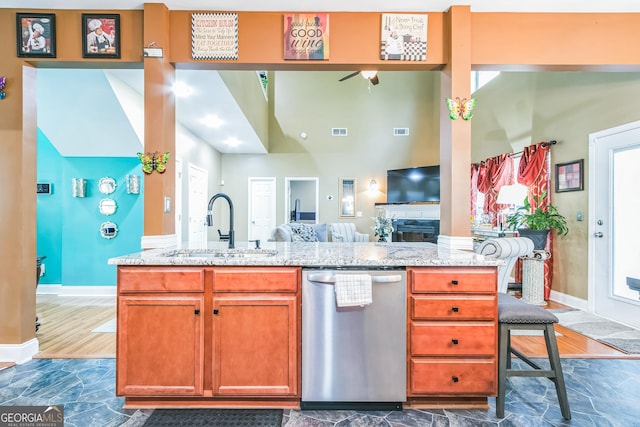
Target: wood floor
(67, 322)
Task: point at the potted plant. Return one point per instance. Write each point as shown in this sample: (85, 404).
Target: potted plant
(535, 221)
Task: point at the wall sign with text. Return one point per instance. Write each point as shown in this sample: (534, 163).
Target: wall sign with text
(306, 36)
(214, 36)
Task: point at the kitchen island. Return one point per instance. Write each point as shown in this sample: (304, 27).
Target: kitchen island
(222, 327)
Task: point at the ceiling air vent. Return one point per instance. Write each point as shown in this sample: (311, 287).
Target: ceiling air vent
(400, 131)
(338, 131)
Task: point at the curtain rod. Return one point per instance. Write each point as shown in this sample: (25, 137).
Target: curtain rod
(544, 144)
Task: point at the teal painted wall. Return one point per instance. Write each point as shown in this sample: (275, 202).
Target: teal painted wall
(68, 228)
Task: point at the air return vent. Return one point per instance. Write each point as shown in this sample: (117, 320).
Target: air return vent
(338, 131)
(400, 131)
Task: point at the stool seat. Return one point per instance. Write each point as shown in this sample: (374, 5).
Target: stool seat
(513, 314)
(512, 310)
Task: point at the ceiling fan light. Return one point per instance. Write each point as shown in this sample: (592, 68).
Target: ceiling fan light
(368, 74)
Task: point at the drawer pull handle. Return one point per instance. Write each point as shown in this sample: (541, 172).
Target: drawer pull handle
(454, 341)
(215, 311)
(455, 379)
(454, 282)
(454, 309)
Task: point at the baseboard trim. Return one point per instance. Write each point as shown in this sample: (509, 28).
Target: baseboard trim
(76, 291)
(19, 353)
(569, 300)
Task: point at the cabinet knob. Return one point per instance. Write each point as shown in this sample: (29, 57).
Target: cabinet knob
(454, 341)
(196, 312)
(215, 311)
(454, 379)
(454, 282)
(454, 309)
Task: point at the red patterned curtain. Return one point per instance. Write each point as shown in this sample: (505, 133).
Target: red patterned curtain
(534, 173)
(475, 169)
(493, 173)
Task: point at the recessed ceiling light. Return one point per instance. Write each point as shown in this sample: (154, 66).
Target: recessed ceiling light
(181, 89)
(212, 121)
(232, 141)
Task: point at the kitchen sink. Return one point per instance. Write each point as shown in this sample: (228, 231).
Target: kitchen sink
(227, 253)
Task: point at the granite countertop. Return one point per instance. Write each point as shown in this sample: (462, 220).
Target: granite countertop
(307, 254)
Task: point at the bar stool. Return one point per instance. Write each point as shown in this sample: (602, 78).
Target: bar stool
(514, 314)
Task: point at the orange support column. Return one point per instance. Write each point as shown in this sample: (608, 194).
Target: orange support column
(159, 123)
(455, 135)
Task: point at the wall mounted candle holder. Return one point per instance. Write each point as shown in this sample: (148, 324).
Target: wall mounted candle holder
(78, 187)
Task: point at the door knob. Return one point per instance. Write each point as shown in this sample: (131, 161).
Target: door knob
(598, 234)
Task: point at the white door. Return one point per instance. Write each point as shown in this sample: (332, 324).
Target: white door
(198, 179)
(262, 208)
(614, 229)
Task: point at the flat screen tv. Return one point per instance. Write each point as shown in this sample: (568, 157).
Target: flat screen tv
(410, 185)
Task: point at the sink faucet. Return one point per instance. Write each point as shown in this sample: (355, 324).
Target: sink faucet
(210, 216)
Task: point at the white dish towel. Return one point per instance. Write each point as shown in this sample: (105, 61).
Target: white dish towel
(353, 290)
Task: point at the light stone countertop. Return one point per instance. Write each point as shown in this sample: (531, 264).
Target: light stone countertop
(309, 254)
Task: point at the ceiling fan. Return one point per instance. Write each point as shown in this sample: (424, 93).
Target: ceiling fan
(372, 76)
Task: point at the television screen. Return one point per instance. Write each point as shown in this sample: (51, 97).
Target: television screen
(420, 184)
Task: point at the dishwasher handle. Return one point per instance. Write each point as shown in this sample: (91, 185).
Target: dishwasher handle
(330, 279)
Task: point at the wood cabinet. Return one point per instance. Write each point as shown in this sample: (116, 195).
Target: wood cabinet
(208, 336)
(255, 332)
(160, 328)
(452, 333)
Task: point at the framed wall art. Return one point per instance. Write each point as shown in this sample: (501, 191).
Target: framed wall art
(36, 35)
(347, 194)
(100, 36)
(570, 176)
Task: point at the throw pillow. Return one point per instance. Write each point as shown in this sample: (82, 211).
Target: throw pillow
(304, 232)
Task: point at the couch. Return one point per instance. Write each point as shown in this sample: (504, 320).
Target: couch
(295, 231)
(334, 232)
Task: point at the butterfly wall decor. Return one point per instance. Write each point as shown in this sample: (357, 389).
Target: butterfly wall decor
(154, 161)
(462, 108)
(3, 82)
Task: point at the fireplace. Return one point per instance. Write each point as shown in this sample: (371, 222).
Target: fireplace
(415, 230)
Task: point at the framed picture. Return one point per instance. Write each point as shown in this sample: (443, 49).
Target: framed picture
(347, 190)
(570, 176)
(100, 36)
(36, 35)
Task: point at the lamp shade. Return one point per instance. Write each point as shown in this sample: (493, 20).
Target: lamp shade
(512, 195)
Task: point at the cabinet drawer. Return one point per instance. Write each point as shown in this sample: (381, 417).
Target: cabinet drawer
(453, 339)
(451, 377)
(256, 279)
(444, 307)
(454, 279)
(160, 279)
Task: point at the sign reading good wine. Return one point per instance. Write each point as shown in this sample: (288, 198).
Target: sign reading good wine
(306, 36)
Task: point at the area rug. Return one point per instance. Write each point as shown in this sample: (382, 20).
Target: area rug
(107, 327)
(614, 334)
(215, 417)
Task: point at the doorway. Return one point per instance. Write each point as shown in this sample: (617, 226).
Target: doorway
(301, 200)
(614, 229)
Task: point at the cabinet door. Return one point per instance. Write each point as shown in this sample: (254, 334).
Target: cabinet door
(255, 345)
(160, 346)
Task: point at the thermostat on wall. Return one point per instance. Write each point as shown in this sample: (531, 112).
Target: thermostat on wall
(43, 188)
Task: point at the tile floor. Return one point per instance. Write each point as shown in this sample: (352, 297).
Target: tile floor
(602, 392)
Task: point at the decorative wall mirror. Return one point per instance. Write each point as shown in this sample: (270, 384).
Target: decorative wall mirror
(107, 185)
(108, 206)
(108, 230)
(347, 198)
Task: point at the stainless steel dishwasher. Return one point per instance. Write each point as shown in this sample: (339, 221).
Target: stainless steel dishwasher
(354, 357)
